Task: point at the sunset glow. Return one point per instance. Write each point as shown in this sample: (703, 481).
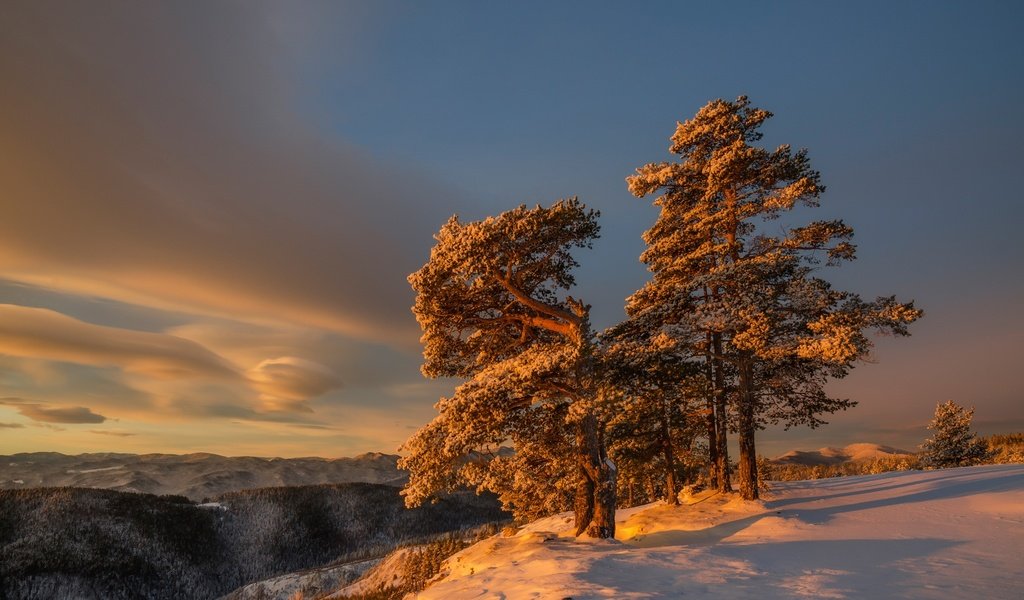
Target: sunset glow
(209, 211)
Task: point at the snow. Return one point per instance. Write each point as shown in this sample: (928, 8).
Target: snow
(384, 573)
(954, 533)
(212, 506)
(303, 584)
(833, 456)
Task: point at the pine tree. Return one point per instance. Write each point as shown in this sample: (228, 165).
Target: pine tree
(536, 479)
(953, 443)
(744, 300)
(491, 305)
(654, 416)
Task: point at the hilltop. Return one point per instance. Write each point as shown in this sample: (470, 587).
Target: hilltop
(955, 533)
(834, 456)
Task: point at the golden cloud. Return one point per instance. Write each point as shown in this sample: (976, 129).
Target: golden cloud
(287, 381)
(46, 414)
(42, 333)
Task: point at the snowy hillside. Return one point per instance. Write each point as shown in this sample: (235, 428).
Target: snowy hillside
(835, 456)
(91, 544)
(956, 533)
(302, 583)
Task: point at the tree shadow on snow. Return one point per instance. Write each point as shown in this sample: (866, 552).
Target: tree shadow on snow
(1010, 476)
(860, 568)
(967, 487)
(695, 537)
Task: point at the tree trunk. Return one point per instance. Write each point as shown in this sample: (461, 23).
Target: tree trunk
(595, 492)
(671, 496)
(583, 503)
(747, 428)
(721, 417)
(714, 475)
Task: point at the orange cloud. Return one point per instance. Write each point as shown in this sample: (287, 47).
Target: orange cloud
(46, 414)
(165, 192)
(41, 333)
(288, 381)
(112, 433)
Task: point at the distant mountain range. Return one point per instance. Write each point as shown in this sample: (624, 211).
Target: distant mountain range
(195, 476)
(203, 475)
(835, 456)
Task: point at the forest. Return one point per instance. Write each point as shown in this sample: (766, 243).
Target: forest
(92, 543)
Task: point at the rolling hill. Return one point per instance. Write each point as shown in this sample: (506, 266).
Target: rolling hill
(195, 476)
(835, 456)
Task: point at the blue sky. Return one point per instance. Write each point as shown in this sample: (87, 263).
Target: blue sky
(211, 208)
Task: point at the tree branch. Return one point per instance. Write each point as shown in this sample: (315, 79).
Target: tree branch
(552, 311)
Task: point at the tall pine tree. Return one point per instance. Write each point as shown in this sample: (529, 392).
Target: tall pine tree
(743, 299)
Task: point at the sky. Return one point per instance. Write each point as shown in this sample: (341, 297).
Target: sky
(208, 210)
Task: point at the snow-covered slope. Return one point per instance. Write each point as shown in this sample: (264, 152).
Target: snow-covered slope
(956, 533)
(386, 573)
(835, 456)
(308, 583)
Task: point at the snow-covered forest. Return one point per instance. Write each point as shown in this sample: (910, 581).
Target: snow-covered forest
(62, 542)
(736, 329)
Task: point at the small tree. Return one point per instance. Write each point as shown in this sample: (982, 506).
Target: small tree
(953, 444)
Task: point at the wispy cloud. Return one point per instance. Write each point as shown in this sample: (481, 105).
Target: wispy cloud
(289, 381)
(11, 426)
(201, 189)
(47, 414)
(112, 433)
(42, 333)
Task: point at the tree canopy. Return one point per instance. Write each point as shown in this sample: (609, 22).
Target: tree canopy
(734, 331)
(953, 444)
(769, 331)
(492, 306)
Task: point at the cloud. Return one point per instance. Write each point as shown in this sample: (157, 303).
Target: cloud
(11, 426)
(45, 414)
(313, 426)
(186, 175)
(113, 433)
(291, 380)
(208, 405)
(42, 333)
(356, 363)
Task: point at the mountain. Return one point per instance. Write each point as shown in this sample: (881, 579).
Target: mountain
(103, 544)
(952, 533)
(195, 476)
(835, 456)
